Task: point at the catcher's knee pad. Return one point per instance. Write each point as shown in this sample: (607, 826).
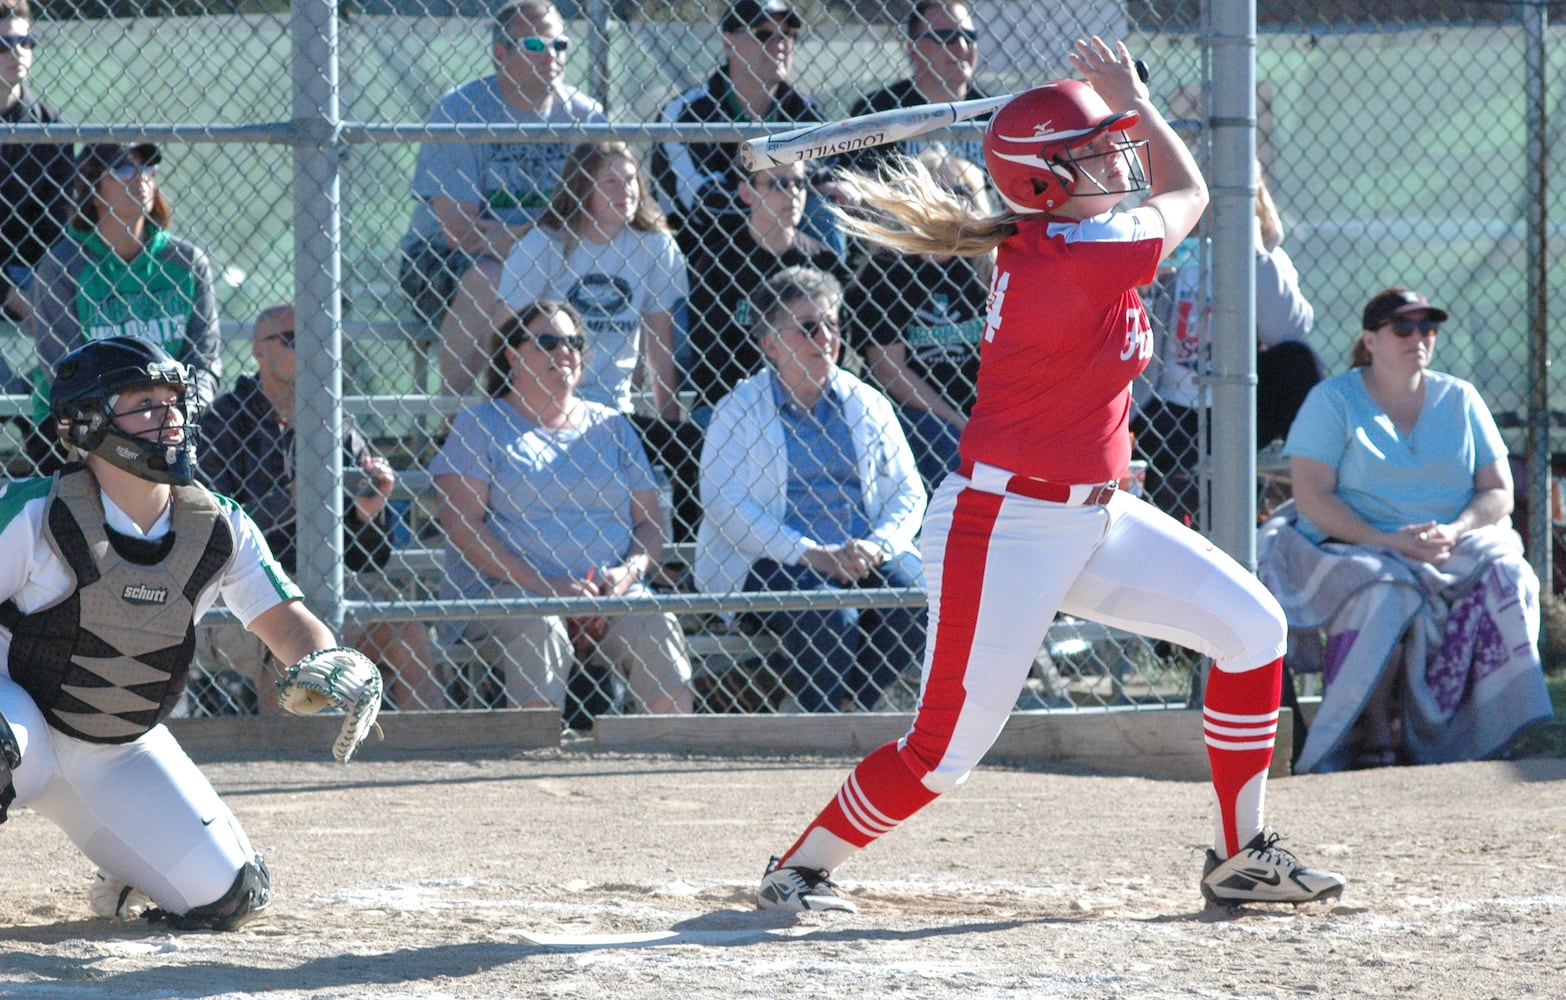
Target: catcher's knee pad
(10, 757)
(249, 894)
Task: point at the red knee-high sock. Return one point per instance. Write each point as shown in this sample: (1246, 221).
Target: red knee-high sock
(1240, 723)
(880, 793)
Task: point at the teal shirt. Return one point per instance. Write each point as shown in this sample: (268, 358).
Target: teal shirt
(150, 297)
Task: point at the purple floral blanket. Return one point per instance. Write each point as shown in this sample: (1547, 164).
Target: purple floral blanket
(1469, 629)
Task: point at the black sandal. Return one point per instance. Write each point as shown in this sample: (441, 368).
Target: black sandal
(1371, 757)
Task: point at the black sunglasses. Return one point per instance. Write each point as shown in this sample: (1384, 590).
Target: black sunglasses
(11, 43)
(765, 34)
(550, 342)
(286, 336)
(786, 183)
(947, 36)
(818, 330)
(1405, 328)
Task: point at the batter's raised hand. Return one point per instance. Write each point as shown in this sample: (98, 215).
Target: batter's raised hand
(1110, 70)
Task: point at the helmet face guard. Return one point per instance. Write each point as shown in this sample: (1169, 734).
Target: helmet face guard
(1033, 146)
(87, 382)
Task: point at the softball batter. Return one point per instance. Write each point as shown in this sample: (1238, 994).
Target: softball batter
(1032, 523)
(104, 567)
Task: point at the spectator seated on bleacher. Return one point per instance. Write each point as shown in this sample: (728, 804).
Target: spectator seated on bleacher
(732, 257)
(698, 181)
(603, 246)
(1395, 563)
(1170, 396)
(247, 454)
(808, 484)
(943, 54)
(917, 319)
(118, 272)
(35, 179)
(544, 493)
(474, 199)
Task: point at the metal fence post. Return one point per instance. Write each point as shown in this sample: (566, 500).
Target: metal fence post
(317, 283)
(1537, 269)
(1233, 423)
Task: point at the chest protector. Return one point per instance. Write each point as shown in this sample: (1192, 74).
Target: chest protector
(108, 661)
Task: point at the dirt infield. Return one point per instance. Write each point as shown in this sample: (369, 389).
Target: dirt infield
(436, 878)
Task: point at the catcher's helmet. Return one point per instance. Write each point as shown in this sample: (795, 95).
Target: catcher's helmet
(1028, 145)
(81, 400)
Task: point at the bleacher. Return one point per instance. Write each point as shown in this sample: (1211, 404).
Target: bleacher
(386, 355)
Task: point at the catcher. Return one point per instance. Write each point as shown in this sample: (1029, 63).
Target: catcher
(104, 569)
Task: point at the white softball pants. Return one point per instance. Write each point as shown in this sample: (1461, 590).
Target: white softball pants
(999, 566)
(141, 811)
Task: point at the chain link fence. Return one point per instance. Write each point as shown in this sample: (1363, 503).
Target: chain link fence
(391, 163)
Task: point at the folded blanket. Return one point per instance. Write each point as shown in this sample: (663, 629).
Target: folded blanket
(1469, 628)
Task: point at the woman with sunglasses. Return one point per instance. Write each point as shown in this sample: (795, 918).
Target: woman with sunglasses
(118, 272)
(604, 246)
(544, 493)
(808, 484)
(1398, 546)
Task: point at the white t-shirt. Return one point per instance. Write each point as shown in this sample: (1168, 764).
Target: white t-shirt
(613, 285)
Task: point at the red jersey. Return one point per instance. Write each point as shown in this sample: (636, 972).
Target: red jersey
(1065, 336)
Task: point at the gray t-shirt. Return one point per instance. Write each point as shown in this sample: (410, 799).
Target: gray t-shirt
(613, 285)
(511, 180)
(561, 499)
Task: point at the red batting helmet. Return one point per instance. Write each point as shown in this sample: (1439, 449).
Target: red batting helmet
(1028, 144)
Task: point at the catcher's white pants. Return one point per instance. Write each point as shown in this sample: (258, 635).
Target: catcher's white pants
(141, 811)
(999, 566)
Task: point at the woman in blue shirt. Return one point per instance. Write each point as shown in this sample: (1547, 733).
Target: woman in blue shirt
(1400, 473)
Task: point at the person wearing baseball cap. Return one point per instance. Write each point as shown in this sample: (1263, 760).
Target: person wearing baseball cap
(1402, 499)
(1394, 302)
(119, 272)
(698, 181)
(748, 13)
(98, 159)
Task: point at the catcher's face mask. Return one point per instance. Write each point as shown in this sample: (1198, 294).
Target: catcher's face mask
(129, 403)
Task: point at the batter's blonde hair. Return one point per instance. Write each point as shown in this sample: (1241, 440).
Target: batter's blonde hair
(905, 208)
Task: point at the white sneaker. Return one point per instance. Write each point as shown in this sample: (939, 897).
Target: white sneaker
(800, 889)
(115, 900)
(1263, 872)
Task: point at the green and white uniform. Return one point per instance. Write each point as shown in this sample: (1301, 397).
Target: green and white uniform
(136, 805)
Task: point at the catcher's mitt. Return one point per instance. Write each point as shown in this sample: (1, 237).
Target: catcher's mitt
(341, 678)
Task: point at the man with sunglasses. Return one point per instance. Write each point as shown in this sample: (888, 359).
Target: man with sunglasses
(474, 199)
(247, 455)
(943, 50)
(35, 180)
(698, 181)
